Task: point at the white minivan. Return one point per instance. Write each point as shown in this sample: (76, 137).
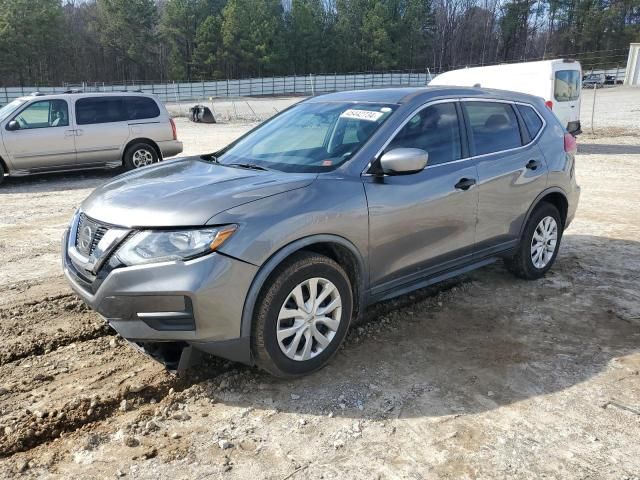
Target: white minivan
(557, 81)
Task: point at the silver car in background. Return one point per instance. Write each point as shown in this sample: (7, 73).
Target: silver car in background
(71, 131)
(265, 251)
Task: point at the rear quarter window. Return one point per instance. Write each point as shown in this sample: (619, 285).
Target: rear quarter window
(140, 108)
(531, 119)
(566, 86)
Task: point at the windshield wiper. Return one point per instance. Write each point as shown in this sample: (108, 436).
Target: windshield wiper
(211, 157)
(249, 166)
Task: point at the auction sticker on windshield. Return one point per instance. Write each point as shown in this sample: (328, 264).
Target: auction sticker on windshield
(367, 115)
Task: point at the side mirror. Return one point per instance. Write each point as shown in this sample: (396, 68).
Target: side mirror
(13, 125)
(403, 161)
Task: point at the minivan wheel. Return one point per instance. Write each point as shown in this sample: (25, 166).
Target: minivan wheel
(302, 317)
(139, 155)
(539, 245)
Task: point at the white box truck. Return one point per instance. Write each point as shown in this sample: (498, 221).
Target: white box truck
(557, 81)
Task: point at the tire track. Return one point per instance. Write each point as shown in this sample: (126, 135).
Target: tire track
(45, 396)
(40, 326)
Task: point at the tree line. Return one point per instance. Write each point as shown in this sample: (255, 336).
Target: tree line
(54, 41)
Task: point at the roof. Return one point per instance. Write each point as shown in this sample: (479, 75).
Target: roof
(83, 94)
(418, 94)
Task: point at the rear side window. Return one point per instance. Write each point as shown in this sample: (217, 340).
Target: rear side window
(566, 87)
(434, 129)
(100, 110)
(494, 127)
(139, 108)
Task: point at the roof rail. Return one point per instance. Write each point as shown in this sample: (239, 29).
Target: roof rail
(74, 90)
(36, 94)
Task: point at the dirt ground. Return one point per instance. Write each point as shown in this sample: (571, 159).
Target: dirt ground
(485, 376)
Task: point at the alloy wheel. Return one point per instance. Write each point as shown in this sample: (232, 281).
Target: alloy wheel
(142, 158)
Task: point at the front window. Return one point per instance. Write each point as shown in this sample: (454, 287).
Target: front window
(11, 107)
(43, 114)
(567, 85)
(310, 137)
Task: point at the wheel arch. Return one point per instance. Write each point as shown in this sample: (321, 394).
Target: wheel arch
(141, 140)
(333, 246)
(556, 197)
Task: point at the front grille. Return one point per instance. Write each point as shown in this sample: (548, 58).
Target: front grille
(88, 234)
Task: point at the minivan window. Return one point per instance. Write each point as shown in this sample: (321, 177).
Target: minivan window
(567, 85)
(92, 110)
(494, 127)
(434, 129)
(531, 119)
(43, 114)
(309, 137)
(139, 108)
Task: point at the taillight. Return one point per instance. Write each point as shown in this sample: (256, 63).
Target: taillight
(570, 144)
(173, 129)
(549, 104)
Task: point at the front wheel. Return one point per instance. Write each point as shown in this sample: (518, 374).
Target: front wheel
(302, 316)
(539, 245)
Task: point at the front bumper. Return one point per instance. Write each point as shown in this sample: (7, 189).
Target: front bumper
(197, 303)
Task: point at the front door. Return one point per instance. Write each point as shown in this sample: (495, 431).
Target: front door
(423, 223)
(44, 139)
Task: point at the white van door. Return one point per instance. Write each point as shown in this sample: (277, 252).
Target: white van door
(566, 94)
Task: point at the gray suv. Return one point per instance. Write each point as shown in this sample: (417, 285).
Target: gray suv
(265, 251)
(71, 131)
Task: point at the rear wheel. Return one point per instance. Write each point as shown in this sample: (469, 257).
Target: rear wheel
(140, 155)
(539, 245)
(2, 172)
(302, 316)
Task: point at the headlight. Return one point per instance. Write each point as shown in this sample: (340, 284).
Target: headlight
(151, 246)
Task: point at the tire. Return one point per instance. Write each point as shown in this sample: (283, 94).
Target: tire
(138, 155)
(525, 263)
(268, 351)
(2, 172)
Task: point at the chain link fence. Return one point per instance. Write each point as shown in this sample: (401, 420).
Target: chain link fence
(251, 87)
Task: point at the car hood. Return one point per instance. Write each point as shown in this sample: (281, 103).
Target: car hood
(184, 192)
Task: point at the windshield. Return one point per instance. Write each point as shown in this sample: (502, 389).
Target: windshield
(310, 137)
(9, 108)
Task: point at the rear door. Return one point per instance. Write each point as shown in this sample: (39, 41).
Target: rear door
(102, 129)
(567, 85)
(44, 140)
(511, 170)
(144, 117)
(424, 222)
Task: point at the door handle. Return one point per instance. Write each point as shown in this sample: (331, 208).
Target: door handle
(532, 164)
(69, 133)
(465, 183)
